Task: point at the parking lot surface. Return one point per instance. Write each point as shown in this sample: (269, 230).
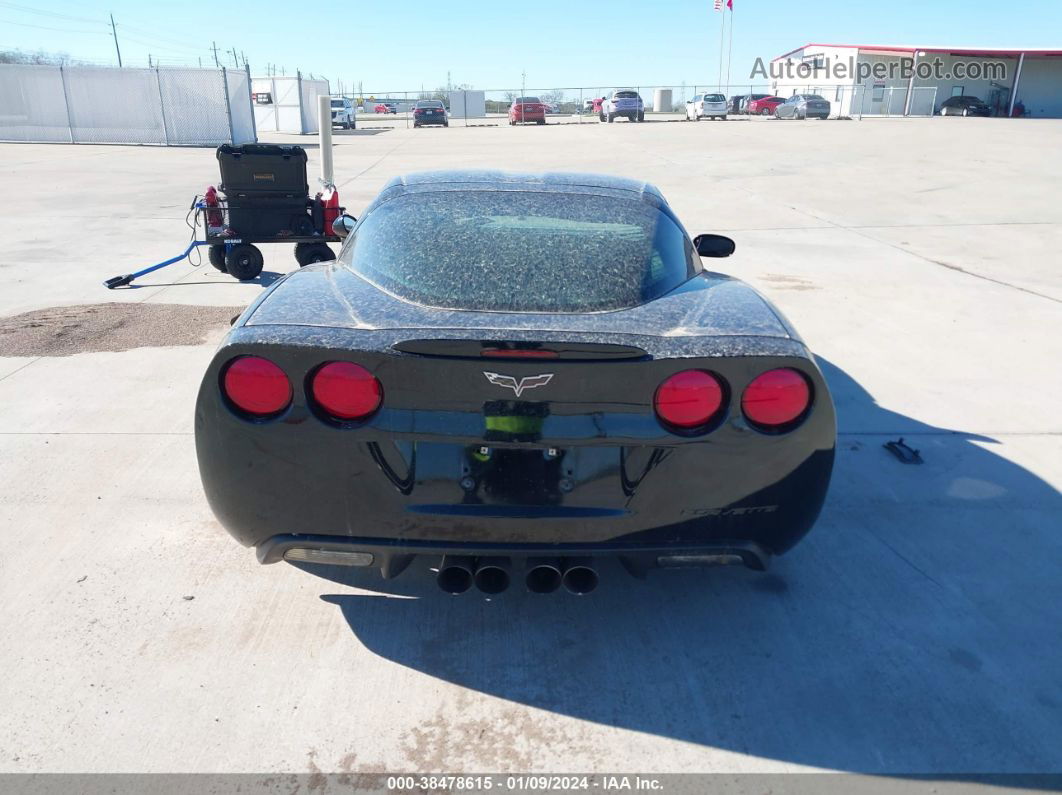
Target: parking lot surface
(916, 630)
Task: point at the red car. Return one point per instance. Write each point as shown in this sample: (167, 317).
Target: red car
(765, 106)
(386, 107)
(527, 109)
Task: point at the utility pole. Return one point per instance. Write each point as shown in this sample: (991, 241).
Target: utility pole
(114, 32)
(243, 55)
(523, 82)
(214, 47)
(149, 60)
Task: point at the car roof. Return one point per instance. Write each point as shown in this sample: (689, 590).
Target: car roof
(492, 179)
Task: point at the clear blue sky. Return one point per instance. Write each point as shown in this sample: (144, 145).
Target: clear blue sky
(404, 44)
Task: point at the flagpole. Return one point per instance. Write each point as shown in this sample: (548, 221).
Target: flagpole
(722, 27)
(730, 45)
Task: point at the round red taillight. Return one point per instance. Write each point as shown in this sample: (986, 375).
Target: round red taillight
(346, 391)
(776, 399)
(256, 386)
(689, 399)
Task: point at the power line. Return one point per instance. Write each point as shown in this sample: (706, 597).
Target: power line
(60, 30)
(53, 14)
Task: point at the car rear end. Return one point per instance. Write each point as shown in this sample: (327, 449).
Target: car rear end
(429, 114)
(528, 109)
(627, 104)
(817, 108)
(354, 416)
(712, 106)
(764, 106)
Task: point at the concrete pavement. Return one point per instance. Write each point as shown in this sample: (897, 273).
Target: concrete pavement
(916, 630)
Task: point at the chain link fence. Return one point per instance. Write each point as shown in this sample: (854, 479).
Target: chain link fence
(164, 106)
(581, 105)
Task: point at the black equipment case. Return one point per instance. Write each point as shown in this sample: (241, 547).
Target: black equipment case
(263, 170)
(266, 190)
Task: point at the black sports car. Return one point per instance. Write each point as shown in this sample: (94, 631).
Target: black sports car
(508, 367)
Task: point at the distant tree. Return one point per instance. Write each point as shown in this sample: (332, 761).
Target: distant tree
(40, 58)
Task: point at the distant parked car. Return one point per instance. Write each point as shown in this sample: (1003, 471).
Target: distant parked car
(527, 109)
(386, 107)
(764, 106)
(964, 106)
(551, 108)
(803, 106)
(430, 111)
(343, 113)
(734, 104)
(711, 106)
(746, 100)
(622, 102)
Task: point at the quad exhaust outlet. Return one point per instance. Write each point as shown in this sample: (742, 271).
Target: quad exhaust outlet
(493, 575)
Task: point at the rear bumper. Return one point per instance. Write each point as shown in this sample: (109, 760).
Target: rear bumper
(522, 117)
(507, 476)
(391, 557)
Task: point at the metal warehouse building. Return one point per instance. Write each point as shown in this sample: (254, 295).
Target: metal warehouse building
(890, 80)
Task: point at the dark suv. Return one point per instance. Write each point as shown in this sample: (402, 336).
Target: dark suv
(964, 106)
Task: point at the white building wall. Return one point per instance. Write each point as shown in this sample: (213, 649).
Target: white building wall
(994, 92)
(827, 82)
(1040, 87)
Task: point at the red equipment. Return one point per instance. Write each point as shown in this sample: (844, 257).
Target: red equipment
(214, 216)
(331, 211)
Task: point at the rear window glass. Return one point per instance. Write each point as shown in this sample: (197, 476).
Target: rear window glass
(520, 251)
(527, 99)
(430, 103)
(626, 95)
(714, 98)
(812, 96)
(337, 103)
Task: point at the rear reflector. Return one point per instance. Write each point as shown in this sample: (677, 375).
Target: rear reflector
(346, 391)
(689, 399)
(777, 399)
(256, 386)
(679, 561)
(330, 556)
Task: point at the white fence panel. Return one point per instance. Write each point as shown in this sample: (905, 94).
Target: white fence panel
(33, 104)
(115, 106)
(86, 104)
(310, 90)
(194, 103)
(240, 109)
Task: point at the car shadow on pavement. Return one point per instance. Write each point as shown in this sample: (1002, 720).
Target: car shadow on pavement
(914, 631)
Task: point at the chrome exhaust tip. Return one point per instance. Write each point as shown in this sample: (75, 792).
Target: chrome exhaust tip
(492, 575)
(543, 575)
(455, 574)
(580, 577)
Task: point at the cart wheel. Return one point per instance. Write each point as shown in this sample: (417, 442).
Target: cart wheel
(244, 262)
(216, 255)
(309, 253)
